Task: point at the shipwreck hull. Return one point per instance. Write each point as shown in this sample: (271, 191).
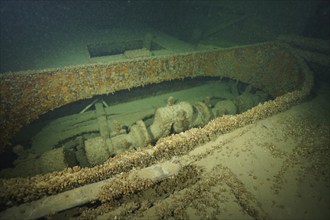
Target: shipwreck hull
(27, 95)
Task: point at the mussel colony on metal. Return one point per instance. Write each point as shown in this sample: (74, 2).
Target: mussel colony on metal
(91, 137)
(270, 67)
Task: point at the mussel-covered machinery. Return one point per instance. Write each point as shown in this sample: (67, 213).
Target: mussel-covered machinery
(91, 137)
(274, 67)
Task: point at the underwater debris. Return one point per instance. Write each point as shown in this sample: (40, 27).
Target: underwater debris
(16, 191)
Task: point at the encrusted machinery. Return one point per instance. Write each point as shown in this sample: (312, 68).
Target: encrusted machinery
(79, 149)
(272, 67)
(27, 95)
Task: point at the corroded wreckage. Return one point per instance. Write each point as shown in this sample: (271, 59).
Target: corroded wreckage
(273, 67)
(27, 95)
(91, 137)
